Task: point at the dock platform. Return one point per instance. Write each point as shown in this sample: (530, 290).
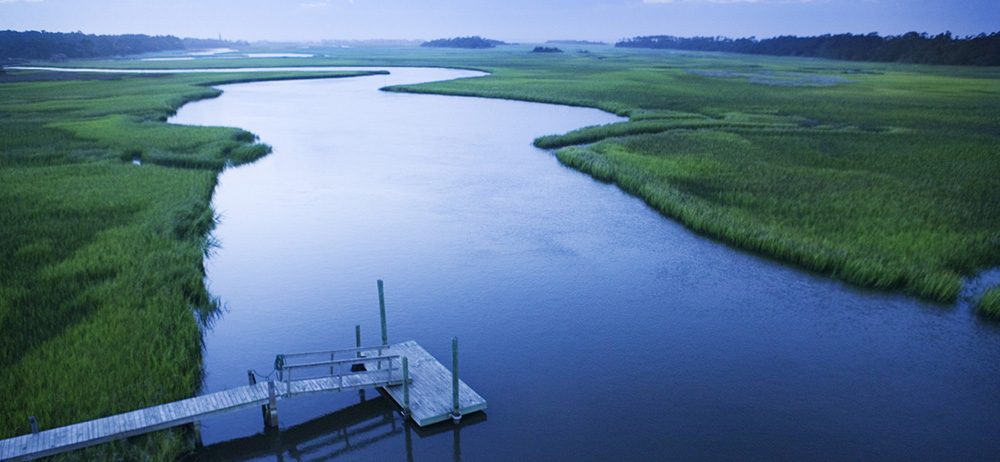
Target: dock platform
(431, 387)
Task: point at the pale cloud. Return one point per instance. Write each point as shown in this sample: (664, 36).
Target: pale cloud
(313, 5)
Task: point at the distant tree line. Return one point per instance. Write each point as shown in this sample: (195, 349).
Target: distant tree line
(47, 45)
(979, 50)
(50, 45)
(463, 42)
(546, 50)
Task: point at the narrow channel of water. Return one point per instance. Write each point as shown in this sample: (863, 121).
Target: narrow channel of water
(595, 328)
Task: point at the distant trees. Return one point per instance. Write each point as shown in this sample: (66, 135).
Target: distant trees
(463, 42)
(980, 50)
(546, 50)
(47, 45)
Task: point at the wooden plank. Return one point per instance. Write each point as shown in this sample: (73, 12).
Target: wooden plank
(226, 401)
(238, 396)
(156, 415)
(243, 395)
(229, 399)
(115, 424)
(82, 431)
(36, 442)
(220, 401)
(30, 443)
(57, 437)
(132, 421)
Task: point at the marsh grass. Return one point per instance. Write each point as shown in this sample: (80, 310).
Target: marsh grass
(989, 304)
(888, 181)
(101, 267)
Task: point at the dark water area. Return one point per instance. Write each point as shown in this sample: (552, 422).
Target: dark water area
(595, 328)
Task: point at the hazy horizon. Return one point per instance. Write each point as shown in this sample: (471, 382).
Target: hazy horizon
(512, 20)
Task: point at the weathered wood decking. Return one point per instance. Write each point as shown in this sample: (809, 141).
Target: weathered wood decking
(430, 400)
(431, 387)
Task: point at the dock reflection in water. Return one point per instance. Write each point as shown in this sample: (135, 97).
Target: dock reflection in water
(338, 434)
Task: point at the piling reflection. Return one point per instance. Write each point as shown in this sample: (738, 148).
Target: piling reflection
(337, 434)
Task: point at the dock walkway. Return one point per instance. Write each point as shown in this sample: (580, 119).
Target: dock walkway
(430, 398)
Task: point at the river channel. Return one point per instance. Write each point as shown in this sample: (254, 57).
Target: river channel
(595, 328)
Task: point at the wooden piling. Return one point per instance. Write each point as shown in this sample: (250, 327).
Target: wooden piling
(406, 387)
(198, 443)
(34, 424)
(271, 411)
(381, 306)
(456, 414)
(357, 337)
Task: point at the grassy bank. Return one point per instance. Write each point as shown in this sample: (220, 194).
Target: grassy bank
(989, 304)
(101, 273)
(880, 175)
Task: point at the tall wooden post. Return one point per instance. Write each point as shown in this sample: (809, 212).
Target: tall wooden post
(381, 306)
(357, 337)
(456, 414)
(406, 386)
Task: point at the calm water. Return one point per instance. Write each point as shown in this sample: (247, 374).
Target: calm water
(595, 328)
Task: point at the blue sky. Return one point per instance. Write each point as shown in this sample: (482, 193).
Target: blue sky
(510, 20)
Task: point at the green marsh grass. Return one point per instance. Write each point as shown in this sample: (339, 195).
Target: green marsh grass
(989, 304)
(888, 181)
(101, 268)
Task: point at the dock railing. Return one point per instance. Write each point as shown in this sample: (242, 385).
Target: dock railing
(308, 366)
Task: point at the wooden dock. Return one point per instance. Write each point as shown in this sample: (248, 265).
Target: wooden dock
(430, 397)
(430, 388)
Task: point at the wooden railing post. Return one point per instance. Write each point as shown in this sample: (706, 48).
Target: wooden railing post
(34, 424)
(251, 378)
